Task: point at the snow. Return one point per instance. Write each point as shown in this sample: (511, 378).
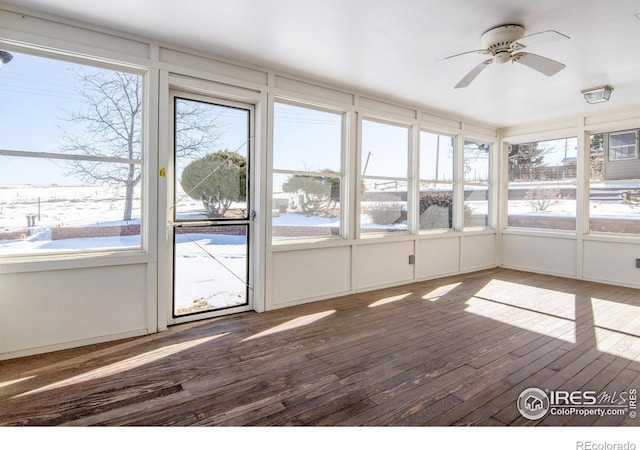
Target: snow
(62, 205)
(42, 243)
(211, 269)
(211, 272)
(296, 219)
(58, 206)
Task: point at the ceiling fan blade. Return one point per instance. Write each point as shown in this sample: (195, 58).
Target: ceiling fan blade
(480, 52)
(542, 37)
(468, 78)
(543, 65)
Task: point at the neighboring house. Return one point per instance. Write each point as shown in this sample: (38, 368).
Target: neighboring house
(618, 155)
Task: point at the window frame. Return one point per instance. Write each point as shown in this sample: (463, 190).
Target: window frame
(607, 225)
(609, 146)
(454, 209)
(74, 257)
(361, 177)
(490, 185)
(506, 184)
(341, 174)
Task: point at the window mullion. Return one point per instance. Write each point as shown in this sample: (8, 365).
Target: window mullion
(67, 156)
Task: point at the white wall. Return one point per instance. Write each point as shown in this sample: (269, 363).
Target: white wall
(611, 262)
(437, 257)
(551, 255)
(306, 275)
(43, 311)
(602, 257)
(301, 273)
(383, 264)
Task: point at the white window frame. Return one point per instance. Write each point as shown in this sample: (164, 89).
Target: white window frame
(344, 194)
(505, 184)
(454, 207)
(408, 179)
(114, 253)
(489, 185)
(635, 146)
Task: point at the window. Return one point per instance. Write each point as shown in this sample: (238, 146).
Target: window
(435, 201)
(542, 184)
(476, 184)
(384, 163)
(623, 146)
(70, 157)
(307, 172)
(614, 183)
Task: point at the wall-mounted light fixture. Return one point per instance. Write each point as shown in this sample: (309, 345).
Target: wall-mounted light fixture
(5, 57)
(598, 94)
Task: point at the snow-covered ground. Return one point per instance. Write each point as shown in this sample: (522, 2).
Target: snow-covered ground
(62, 206)
(211, 268)
(210, 272)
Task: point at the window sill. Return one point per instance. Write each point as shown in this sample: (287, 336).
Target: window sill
(282, 245)
(42, 263)
(539, 232)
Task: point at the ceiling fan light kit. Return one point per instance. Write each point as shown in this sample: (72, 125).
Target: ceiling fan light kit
(503, 43)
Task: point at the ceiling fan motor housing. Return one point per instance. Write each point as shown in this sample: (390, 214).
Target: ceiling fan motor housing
(498, 40)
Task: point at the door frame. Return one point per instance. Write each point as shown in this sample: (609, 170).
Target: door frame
(179, 86)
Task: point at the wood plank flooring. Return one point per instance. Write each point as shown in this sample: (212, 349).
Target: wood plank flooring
(452, 351)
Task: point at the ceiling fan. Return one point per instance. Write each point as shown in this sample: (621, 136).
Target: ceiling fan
(504, 44)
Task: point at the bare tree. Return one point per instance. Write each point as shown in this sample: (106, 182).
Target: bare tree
(111, 134)
(198, 129)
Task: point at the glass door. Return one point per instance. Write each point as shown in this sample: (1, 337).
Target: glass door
(211, 209)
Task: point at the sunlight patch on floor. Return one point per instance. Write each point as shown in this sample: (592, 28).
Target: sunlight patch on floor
(387, 300)
(440, 291)
(544, 324)
(618, 344)
(126, 364)
(616, 316)
(17, 380)
(292, 324)
(546, 301)
(617, 328)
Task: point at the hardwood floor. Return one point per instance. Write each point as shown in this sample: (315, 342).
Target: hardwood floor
(453, 351)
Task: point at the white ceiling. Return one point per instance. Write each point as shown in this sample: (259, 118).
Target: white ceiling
(394, 48)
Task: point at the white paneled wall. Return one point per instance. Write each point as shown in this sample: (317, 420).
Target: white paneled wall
(309, 274)
(611, 262)
(437, 257)
(478, 252)
(552, 255)
(44, 311)
(383, 264)
(304, 275)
